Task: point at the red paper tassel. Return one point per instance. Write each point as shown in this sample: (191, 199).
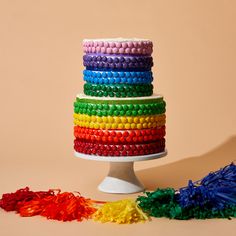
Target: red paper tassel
(31, 208)
(66, 207)
(13, 201)
(58, 206)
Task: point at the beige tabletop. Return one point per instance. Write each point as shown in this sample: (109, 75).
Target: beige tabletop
(41, 73)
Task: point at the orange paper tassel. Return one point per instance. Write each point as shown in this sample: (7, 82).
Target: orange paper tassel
(66, 207)
(57, 206)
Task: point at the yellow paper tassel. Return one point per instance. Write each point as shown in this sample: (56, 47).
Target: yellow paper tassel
(122, 212)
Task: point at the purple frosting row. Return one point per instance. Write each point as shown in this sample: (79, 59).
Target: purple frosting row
(95, 61)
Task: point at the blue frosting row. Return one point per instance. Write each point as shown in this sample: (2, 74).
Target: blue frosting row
(116, 77)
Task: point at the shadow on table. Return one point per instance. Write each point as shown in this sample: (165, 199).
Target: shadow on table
(178, 173)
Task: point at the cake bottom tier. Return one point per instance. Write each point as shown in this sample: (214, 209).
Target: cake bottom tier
(119, 150)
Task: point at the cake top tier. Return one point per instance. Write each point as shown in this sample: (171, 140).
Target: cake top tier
(130, 46)
(117, 40)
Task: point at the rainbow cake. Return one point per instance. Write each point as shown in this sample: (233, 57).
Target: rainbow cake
(118, 115)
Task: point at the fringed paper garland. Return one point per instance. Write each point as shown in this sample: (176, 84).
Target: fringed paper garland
(162, 203)
(212, 197)
(216, 190)
(57, 206)
(122, 212)
(14, 201)
(63, 207)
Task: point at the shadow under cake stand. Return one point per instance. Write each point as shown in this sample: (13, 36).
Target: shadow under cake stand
(121, 177)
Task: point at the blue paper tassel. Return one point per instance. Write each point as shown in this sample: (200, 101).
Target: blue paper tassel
(217, 190)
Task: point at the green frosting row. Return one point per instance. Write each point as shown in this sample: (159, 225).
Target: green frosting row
(105, 109)
(118, 90)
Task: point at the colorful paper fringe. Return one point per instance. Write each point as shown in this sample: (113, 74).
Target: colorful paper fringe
(14, 201)
(57, 206)
(122, 212)
(162, 203)
(212, 197)
(216, 190)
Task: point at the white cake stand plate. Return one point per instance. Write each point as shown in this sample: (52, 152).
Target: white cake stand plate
(121, 177)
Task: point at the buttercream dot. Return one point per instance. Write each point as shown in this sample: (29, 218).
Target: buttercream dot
(133, 50)
(118, 44)
(124, 65)
(118, 65)
(121, 50)
(124, 45)
(93, 49)
(149, 50)
(112, 44)
(116, 60)
(110, 59)
(130, 44)
(122, 59)
(108, 50)
(100, 44)
(103, 50)
(127, 50)
(139, 50)
(115, 50)
(140, 44)
(106, 44)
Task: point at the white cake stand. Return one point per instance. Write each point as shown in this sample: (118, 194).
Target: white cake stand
(121, 177)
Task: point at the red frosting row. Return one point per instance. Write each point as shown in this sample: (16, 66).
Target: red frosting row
(119, 150)
(119, 137)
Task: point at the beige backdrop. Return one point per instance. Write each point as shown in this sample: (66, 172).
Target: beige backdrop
(41, 73)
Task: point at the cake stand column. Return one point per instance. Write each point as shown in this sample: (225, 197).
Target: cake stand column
(121, 179)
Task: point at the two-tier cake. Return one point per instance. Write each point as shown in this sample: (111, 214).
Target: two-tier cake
(118, 115)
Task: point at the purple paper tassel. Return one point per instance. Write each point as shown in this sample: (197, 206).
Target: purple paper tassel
(216, 190)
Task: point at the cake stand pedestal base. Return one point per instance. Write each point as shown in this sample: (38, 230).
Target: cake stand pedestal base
(121, 179)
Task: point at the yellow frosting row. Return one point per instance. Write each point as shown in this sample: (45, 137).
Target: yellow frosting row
(119, 122)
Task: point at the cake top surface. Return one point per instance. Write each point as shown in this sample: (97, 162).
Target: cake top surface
(153, 96)
(116, 40)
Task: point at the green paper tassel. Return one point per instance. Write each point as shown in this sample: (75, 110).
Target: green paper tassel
(162, 203)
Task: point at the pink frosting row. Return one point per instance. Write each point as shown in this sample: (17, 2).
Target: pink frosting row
(129, 47)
